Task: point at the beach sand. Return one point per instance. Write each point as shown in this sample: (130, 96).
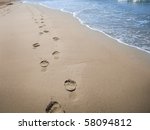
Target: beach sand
(49, 62)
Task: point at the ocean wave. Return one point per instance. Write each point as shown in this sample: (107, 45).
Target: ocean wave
(119, 22)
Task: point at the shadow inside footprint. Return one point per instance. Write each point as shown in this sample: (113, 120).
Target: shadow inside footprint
(40, 33)
(44, 63)
(45, 31)
(54, 107)
(55, 38)
(70, 85)
(40, 26)
(10, 4)
(35, 45)
(56, 54)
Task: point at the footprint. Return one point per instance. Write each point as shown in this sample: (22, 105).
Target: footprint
(45, 31)
(56, 54)
(55, 38)
(42, 22)
(40, 33)
(42, 18)
(44, 63)
(40, 26)
(70, 85)
(54, 107)
(36, 45)
(10, 4)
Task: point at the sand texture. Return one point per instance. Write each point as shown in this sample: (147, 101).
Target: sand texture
(49, 62)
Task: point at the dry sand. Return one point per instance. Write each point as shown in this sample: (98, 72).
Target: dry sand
(49, 62)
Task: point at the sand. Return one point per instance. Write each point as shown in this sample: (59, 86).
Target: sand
(49, 62)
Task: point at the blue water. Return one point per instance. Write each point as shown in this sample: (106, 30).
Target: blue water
(128, 21)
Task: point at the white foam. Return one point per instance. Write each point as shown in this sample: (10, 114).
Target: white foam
(134, 1)
(118, 40)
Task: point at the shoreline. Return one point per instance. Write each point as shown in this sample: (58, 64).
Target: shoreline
(94, 29)
(50, 59)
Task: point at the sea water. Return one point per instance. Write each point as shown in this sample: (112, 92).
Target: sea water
(127, 21)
